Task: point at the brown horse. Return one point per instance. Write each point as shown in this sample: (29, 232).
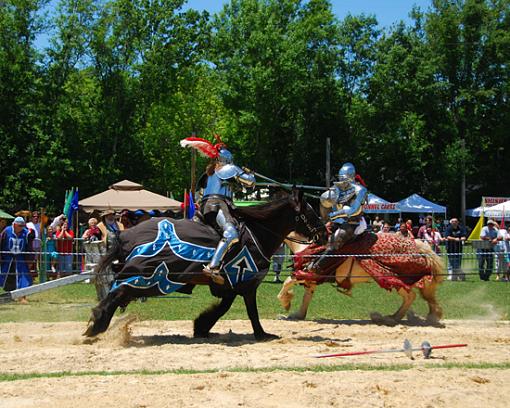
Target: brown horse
(352, 271)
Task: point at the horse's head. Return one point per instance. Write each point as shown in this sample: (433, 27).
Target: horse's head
(308, 223)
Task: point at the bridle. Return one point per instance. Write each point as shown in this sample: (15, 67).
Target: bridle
(313, 232)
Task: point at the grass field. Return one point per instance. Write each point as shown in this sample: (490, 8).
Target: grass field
(460, 300)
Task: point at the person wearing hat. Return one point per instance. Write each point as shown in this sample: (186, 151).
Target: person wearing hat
(15, 244)
(109, 224)
(486, 255)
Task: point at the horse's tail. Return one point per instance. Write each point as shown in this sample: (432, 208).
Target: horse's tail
(114, 253)
(102, 274)
(433, 260)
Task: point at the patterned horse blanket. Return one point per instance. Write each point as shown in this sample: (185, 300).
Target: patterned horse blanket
(167, 254)
(393, 262)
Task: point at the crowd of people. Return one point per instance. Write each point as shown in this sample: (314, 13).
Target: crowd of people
(30, 247)
(26, 249)
(494, 243)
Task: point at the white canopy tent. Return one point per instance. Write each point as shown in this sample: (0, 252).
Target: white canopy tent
(498, 211)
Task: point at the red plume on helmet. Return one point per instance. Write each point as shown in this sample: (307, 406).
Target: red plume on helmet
(359, 180)
(202, 146)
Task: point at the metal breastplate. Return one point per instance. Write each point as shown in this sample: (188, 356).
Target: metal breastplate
(217, 186)
(345, 196)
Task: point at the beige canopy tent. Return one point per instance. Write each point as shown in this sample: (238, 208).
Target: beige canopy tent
(130, 196)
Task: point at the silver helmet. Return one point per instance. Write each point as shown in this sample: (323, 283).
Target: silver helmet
(225, 157)
(346, 175)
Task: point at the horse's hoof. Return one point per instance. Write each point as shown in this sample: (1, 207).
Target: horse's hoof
(295, 316)
(90, 331)
(414, 319)
(381, 320)
(266, 337)
(434, 322)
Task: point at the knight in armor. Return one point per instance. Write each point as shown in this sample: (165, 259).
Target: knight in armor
(342, 205)
(221, 178)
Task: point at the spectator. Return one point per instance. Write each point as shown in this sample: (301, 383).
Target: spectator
(93, 233)
(397, 225)
(486, 255)
(412, 230)
(386, 229)
(404, 231)
(65, 238)
(35, 227)
(503, 253)
(15, 243)
(278, 258)
(58, 221)
(433, 238)
(455, 235)
(109, 225)
(377, 224)
(423, 229)
(51, 254)
(127, 219)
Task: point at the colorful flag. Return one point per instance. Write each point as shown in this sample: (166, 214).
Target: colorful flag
(475, 234)
(191, 206)
(185, 204)
(73, 207)
(67, 202)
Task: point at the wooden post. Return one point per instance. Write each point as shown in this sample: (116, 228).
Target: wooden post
(328, 161)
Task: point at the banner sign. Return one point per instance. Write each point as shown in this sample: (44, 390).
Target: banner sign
(490, 201)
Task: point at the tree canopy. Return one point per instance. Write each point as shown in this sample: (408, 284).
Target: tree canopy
(415, 106)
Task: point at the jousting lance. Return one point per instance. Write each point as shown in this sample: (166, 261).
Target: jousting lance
(425, 348)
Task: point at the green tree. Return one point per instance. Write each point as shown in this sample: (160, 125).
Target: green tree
(20, 98)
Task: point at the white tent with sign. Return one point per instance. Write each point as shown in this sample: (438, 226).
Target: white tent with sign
(378, 205)
(498, 211)
(489, 203)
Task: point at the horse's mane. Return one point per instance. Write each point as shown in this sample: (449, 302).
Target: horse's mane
(261, 212)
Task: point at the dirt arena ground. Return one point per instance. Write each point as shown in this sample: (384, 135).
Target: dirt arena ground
(159, 364)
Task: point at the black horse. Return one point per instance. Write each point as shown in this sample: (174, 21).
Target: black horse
(161, 255)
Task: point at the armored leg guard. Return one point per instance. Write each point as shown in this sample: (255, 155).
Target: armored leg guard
(230, 237)
(337, 240)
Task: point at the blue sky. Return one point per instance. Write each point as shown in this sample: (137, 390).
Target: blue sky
(387, 12)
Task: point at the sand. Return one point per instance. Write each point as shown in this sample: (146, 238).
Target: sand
(231, 369)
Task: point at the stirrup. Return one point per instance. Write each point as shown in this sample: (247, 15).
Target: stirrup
(214, 274)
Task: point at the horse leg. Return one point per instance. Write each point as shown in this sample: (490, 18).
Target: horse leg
(208, 318)
(285, 296)
(250, 300)
(307, 298)
(428, 293)
(102, 314)
(408, 298)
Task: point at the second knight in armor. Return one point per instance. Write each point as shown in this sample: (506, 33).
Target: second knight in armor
(342, 205)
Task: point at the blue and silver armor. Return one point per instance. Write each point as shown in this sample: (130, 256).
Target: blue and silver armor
(216, 204)
(221, 182)
(345, 200)
(343, 205)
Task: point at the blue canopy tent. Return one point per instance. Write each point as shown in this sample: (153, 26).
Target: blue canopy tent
(417, 204)
(378, 205)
